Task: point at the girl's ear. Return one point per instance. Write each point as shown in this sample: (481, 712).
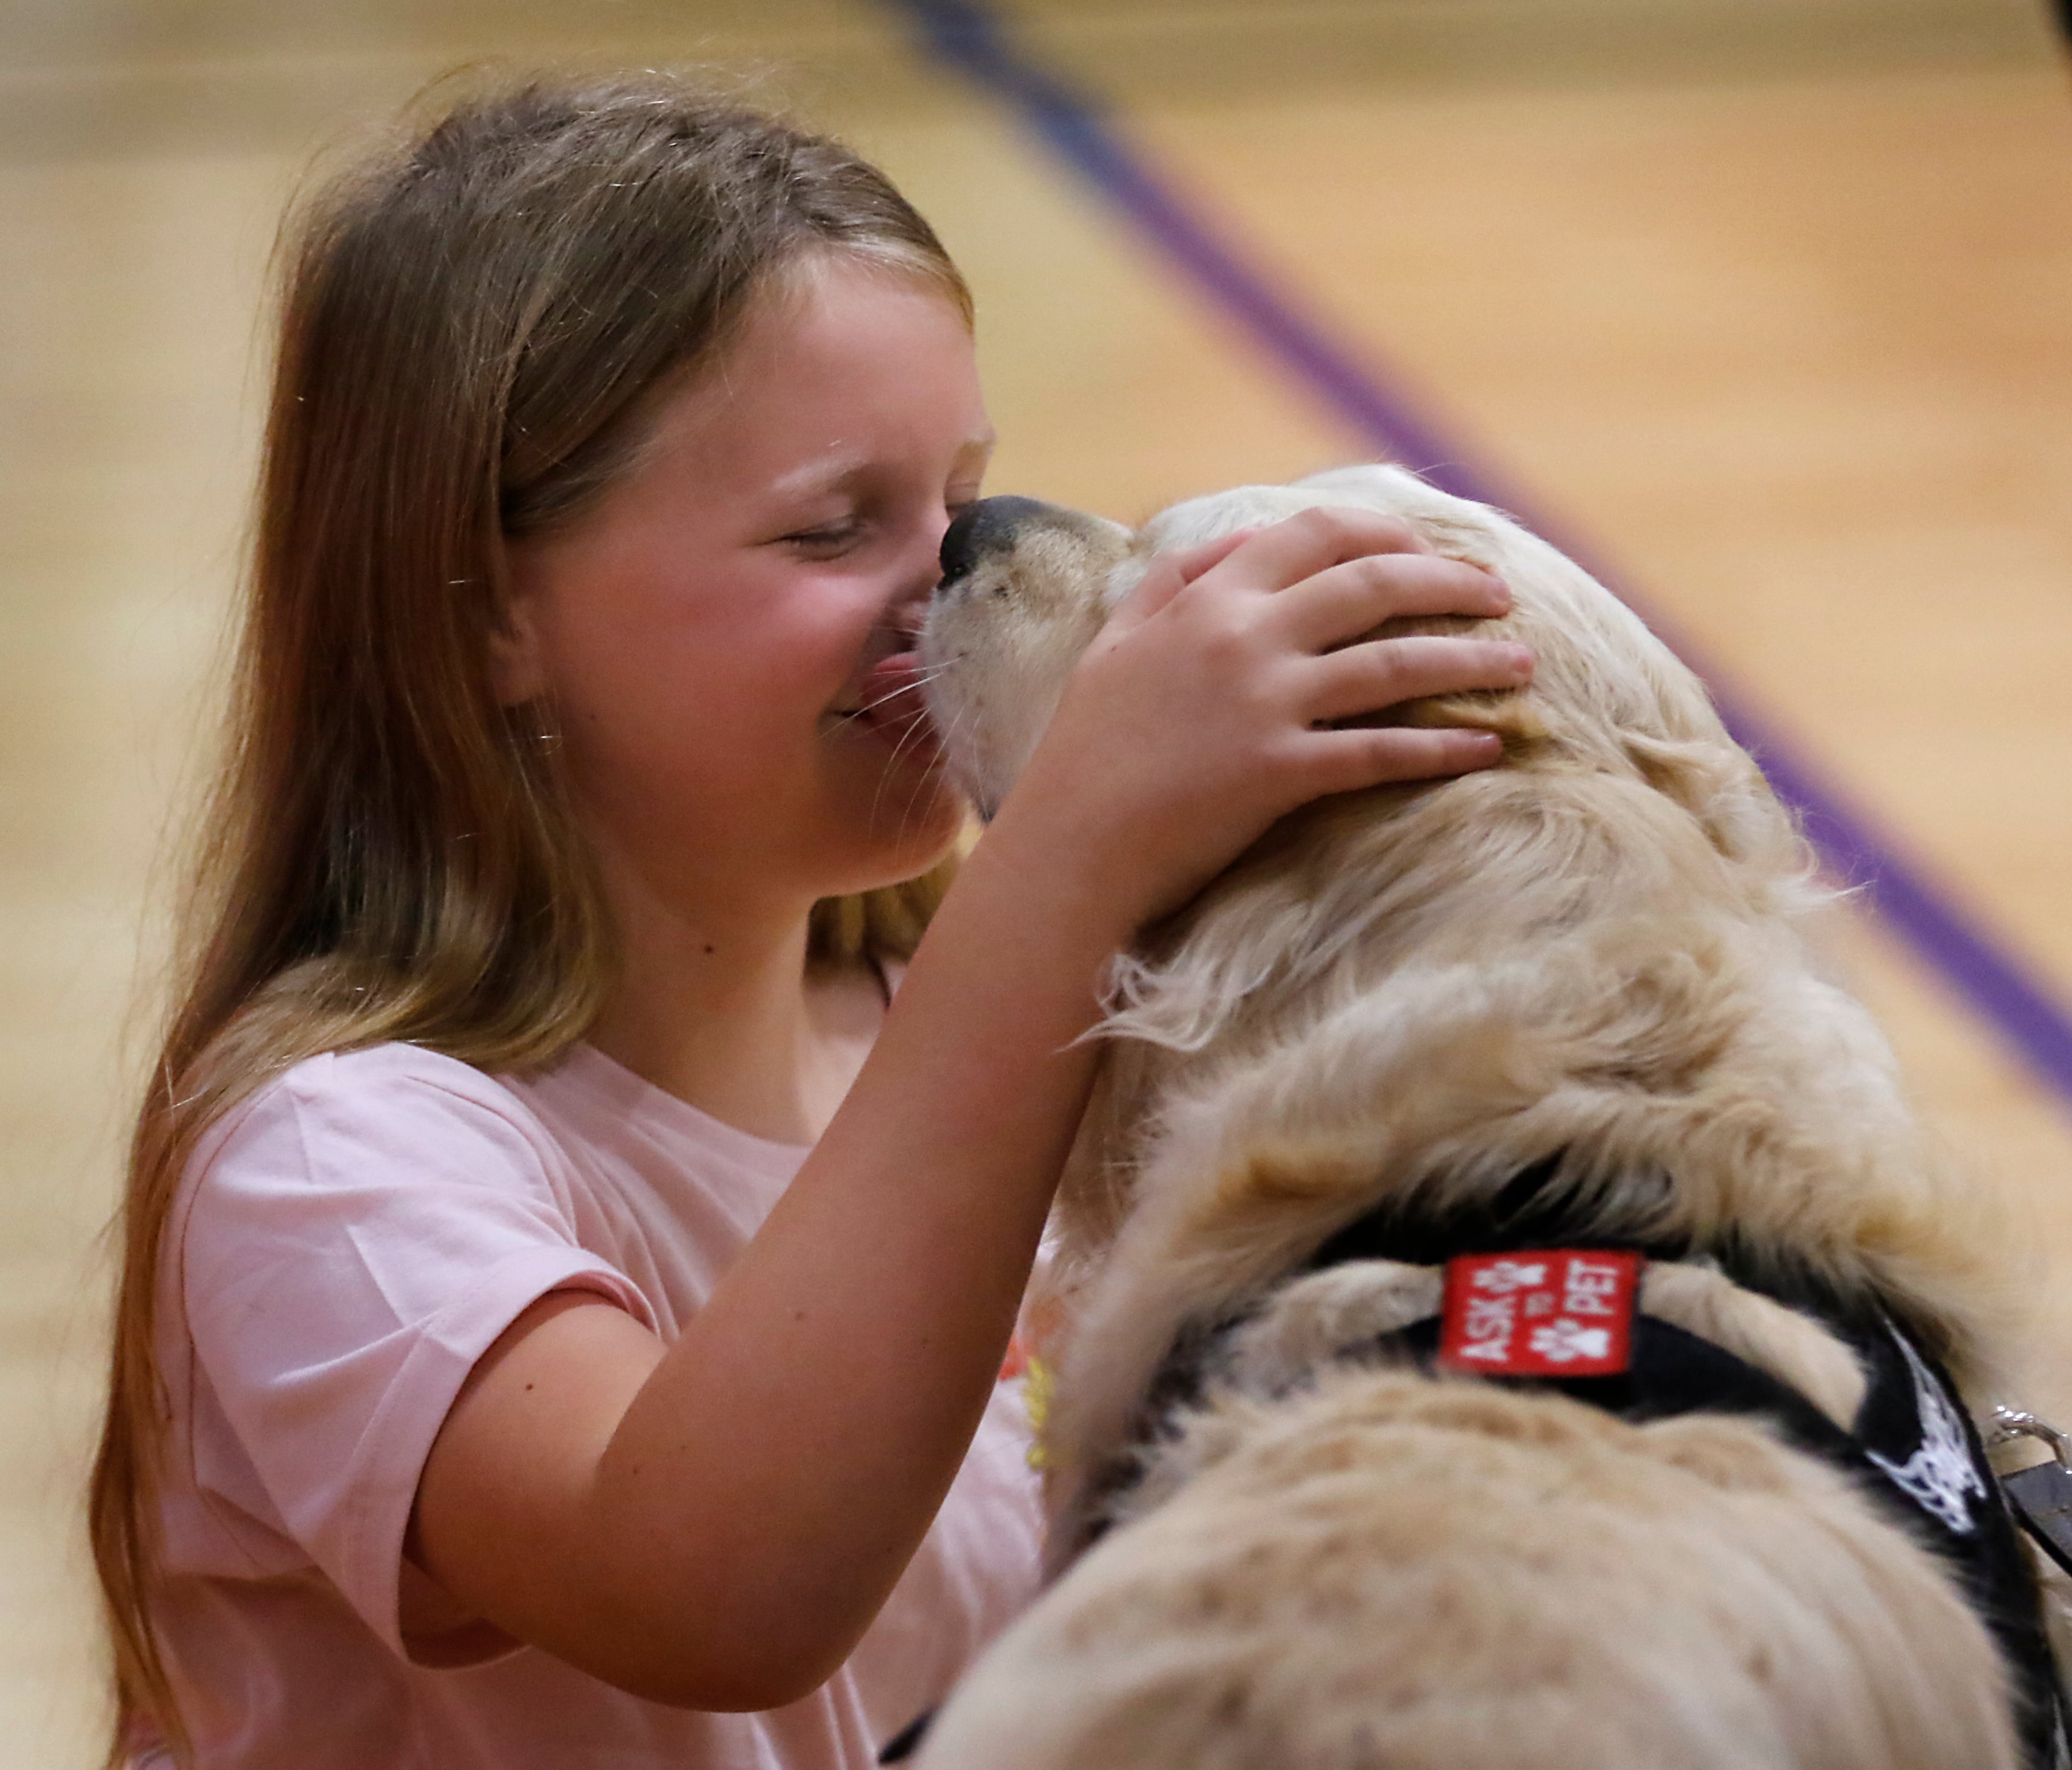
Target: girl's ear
(517, 672)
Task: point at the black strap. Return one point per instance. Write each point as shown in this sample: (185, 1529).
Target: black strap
(2041, 1497)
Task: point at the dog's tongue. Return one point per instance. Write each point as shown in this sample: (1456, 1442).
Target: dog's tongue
(890, 692)
(890, 697)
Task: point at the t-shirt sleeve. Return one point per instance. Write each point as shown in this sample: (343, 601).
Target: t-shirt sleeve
(347, 1250)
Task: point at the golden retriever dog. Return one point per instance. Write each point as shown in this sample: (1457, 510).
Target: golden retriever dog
(1559, 1017)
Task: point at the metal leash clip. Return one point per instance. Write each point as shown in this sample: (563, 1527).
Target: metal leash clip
(2041, 1494)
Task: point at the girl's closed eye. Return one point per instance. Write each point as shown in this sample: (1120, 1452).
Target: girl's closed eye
(827, 540)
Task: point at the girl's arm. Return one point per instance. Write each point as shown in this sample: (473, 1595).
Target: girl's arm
(715, 1522)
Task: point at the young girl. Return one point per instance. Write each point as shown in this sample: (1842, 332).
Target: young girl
(564, 1297)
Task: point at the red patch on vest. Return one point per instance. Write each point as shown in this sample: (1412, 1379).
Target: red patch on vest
(1552, 1312)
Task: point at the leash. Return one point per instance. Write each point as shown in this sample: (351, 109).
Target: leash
(2042, 1496)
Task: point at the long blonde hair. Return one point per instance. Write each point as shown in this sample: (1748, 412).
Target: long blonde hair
(475, 325)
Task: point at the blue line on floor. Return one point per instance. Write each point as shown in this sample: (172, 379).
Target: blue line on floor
(969, 38)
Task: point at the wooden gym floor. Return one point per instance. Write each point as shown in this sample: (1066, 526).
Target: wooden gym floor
(1774, 307)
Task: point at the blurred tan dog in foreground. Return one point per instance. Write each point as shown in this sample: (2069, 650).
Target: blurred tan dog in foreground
(1572, 992)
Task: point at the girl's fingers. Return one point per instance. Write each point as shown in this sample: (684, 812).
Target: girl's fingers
(1344, 761)
(1304, 549)
(1299, 547)
(1382, 673)
(1356, 596)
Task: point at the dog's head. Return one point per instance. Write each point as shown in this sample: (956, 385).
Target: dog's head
(1026, 586)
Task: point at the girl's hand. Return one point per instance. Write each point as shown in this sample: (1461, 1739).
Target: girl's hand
(1202, 712)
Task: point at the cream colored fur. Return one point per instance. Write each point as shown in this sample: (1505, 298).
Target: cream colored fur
(1597, 951)
(1398, 1574)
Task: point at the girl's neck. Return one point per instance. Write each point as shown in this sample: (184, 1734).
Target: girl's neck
(718, 1007)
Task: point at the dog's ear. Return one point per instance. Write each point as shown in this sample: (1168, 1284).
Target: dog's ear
(1718, 785)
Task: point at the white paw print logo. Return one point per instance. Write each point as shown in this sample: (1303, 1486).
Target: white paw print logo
(1507, 1276)
(1561, 1341)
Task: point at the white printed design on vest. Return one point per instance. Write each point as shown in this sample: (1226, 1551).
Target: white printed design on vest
(1940, 1475)
(1507, 1276)
(1563, 1340)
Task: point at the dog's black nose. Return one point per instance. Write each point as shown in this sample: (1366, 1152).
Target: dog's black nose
(986, 527)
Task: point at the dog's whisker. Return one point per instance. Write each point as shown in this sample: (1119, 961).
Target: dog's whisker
(921, 681)
(917, 733)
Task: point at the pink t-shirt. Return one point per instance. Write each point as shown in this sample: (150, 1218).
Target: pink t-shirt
(348, 1243)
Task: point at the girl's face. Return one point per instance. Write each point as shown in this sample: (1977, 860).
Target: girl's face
(711, 637)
